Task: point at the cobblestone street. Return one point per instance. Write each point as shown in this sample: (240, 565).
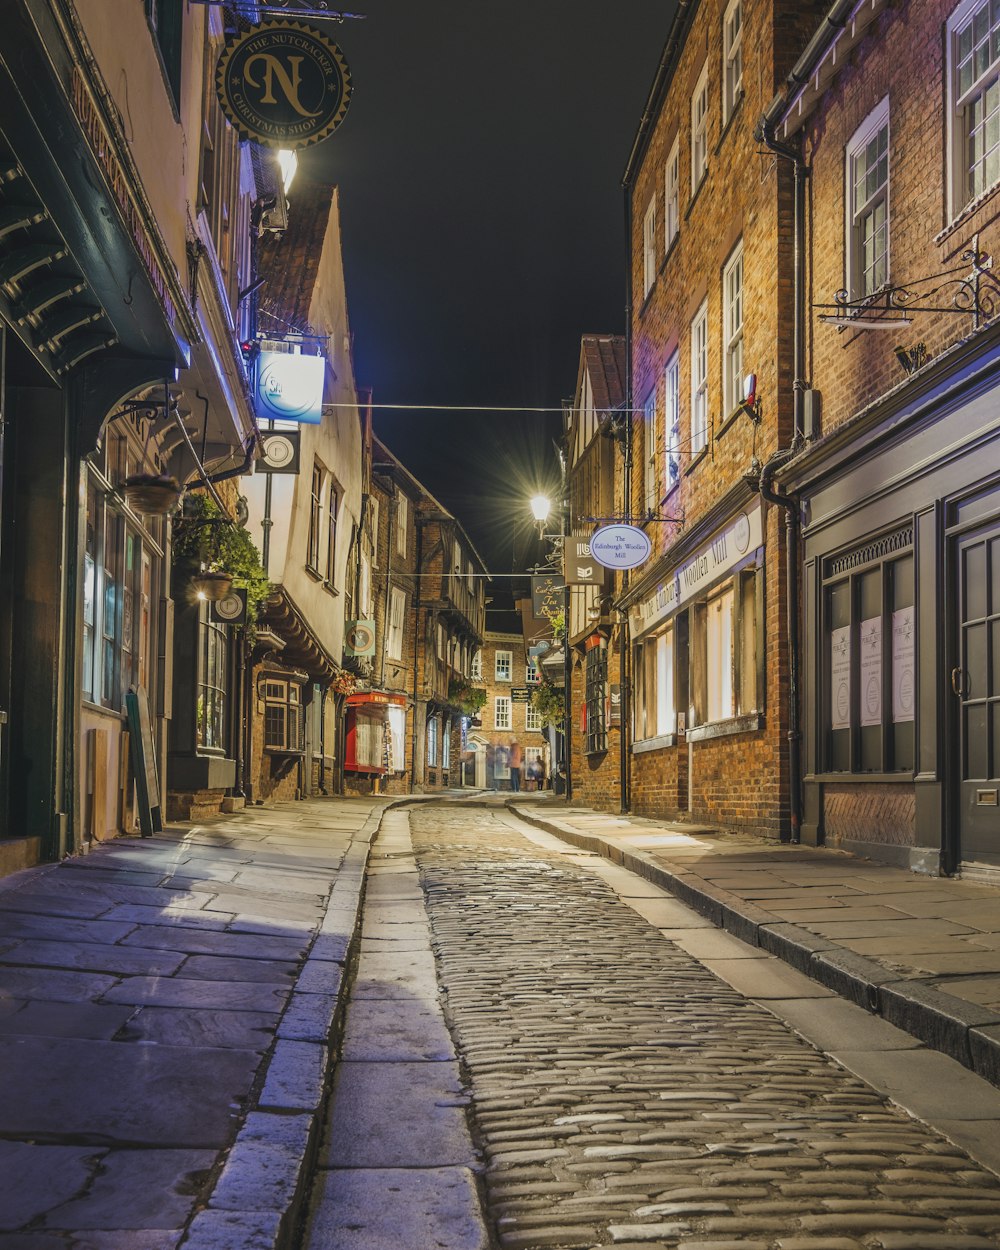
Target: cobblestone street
(622, 1094)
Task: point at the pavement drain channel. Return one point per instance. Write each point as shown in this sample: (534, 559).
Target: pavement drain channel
(643, 1081)
(396, 1167)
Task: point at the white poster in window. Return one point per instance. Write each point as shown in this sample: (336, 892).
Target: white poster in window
(904, 686)
(871, 671)
(840, 678)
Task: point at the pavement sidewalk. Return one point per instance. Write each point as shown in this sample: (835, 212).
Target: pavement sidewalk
(922, 952)
(166, 1011)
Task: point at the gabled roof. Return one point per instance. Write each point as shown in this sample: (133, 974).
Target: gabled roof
(603, 356)
(382, 457)
(290, 261)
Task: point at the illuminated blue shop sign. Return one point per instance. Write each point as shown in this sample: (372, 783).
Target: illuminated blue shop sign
(290, 387)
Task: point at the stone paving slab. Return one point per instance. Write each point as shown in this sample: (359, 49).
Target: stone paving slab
(148, 990)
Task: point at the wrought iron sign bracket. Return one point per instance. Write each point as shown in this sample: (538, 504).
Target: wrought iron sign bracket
(627, 520)
(971, 292)
(284, 8)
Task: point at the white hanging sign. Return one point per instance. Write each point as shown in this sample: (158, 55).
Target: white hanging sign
(620, 546)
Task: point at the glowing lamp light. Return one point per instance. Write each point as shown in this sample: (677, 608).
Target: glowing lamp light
(288, 162)
(540, 507)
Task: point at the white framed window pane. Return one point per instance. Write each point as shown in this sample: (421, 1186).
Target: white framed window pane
(501, 712)
(446, 745)
(732, 285)
(651, 494)
(666, 718)
(532, 717)
(732, 40)
(649, 248)
(672, 194)
(975, 88)
(504, 661)
(699, 380)
(699, 131)
(397, 739)
(719, 667)
(477, 666)
(397, 615)
(532, 676)
(672, 420)
(868, 208)
(402, 522)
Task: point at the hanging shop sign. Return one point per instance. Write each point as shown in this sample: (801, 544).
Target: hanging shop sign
(359, 639)
(620, 546)
(279, 452)
(581, 569)
(231, 609)
(546, 594)
(727, 548)
(283, 84)
(290, 387)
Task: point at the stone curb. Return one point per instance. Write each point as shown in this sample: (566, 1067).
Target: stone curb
(961, 1030)
(257, 1199)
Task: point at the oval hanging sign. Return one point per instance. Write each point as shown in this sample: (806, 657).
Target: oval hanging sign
(620, 546)
(283, 84)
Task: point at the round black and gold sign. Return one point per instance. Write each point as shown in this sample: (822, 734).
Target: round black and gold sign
(283, 84)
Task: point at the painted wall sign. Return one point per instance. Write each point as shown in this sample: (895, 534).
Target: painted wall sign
(723, 552)
(283, 84)
(620, 546)
(290, 387)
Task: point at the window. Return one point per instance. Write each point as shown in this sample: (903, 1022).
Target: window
(655, 712)
(364, 588)
(501, 712)
(732, 332)
(726, 672)
(446, 744)
(699, 380)
(432, 742)
(732, 59)
(868, 204)
(441, 637)
(477, 666)
(397, 617)
(165, 18)
(649, 248)
(211, 697)
(596, 730)
(532, 717)
(868, 662)
(315, 511)
(672, 419)
(456, 557)
(650, 486)
(504, 661)
(974, 78)
(532, 676)
(402, 522)
(333, 508)
(397, 738)
(699, 131)
(672, 196)
(283, 723)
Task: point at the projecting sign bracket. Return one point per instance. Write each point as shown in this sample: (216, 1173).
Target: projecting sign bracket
(285, 9)
(627, 520)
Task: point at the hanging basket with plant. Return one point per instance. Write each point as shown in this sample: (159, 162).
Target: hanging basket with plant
(219, 553)
(151, 494)
(548, 702)
(467, 698)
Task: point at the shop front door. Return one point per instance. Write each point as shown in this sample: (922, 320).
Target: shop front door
(975, 683)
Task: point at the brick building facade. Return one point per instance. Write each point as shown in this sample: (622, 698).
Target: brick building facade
(898, 485)
(501, 667)
(710, 235)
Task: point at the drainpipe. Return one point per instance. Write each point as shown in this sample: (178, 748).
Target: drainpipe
(624, 737)
(764, 133)
(791, 508)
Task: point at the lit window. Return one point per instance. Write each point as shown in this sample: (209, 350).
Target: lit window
(446, 745)
(477, 666)
(432, 742)
(333, 506)
(315, 512)
(699, 131)
(699, 380)
(532, 717)
(719, 666)
(504, 662)
(283, 724)
(501, 712)
(397, 617)
(649, 248)
(868, 211)
(402, 522)
(732, 59)
(732, 291)
(974, 87)
(672, 420)
(531, 674)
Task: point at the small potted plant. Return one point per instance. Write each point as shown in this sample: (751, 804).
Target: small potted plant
(212, 584)
(151, 494)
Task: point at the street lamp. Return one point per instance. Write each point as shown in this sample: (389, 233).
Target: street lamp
(541, 506)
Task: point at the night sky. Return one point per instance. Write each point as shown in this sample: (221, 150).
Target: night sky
(479, 168)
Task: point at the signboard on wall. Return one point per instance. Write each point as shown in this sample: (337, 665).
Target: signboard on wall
(283, 84)
(290, 387)
(546, 593)
(279, 452)
(581, 569)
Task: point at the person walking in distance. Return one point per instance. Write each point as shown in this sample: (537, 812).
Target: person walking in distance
(514, 761)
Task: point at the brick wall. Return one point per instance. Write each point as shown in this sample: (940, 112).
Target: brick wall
(883, 815)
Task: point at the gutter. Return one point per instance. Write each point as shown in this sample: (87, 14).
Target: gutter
(668, 59)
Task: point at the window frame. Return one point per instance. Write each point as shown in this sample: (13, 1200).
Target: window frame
(402, 522)
(672, 195)
(433, 731)
(732, 56)
(507, 675)
(315, 517)
(650, 482)
(502, 701)
(649, 248)
(672, 422)
(699, 380)
(286, 694)
(397, 623)
(960, 193)
(733, 305)
(699, 131)
(854, 261)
